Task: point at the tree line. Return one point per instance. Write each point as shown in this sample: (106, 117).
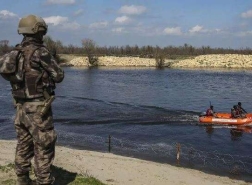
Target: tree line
(91, 49)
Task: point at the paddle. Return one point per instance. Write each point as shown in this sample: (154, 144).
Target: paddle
(244, 110)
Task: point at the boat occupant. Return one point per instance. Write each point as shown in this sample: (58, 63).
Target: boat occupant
(241, 110)
(210, 111)
(235, 112)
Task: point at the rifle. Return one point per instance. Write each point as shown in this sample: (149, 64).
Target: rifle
(46, 105)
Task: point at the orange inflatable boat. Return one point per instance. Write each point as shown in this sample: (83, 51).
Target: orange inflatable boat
(226, 119)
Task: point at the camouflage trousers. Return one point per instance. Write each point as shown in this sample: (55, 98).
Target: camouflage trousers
(36, 138)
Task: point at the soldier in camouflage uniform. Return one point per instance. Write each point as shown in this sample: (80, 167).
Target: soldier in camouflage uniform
(32, 86)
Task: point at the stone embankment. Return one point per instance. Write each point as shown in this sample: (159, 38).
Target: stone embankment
(216, 61)
(204, 61)
(116, 61)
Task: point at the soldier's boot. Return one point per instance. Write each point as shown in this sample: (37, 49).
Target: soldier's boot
(53, 183)
(43, 184)
(24, 180)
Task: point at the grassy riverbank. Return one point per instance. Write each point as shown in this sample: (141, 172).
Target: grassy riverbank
(63, 177)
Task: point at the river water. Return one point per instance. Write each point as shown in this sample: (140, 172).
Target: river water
(149, 113)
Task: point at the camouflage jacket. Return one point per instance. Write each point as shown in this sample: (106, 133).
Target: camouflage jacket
(40, 72)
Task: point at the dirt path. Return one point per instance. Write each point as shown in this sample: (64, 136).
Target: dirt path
(118, 170)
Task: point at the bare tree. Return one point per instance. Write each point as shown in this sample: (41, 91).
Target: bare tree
(89, 47)
(4, 42)
(50, 43)
(4, 47)
(54, 47)
(159, 57)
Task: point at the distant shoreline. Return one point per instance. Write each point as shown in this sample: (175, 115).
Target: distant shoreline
(226, 61)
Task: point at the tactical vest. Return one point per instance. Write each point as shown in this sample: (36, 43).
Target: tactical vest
(29, 85)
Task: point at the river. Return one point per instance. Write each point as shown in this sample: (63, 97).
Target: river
(149, 113)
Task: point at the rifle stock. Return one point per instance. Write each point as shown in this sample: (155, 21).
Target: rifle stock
(46, 105)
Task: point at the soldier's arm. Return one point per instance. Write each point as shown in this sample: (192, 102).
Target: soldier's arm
(7, 64)
(49, 64)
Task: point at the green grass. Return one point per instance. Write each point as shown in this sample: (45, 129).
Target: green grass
(63, 177)
(9, 182)
(7, 168)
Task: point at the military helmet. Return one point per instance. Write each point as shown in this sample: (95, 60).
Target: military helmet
(32, 24)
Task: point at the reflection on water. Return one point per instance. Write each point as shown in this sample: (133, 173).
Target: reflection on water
(209, 130)
(236, 132)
